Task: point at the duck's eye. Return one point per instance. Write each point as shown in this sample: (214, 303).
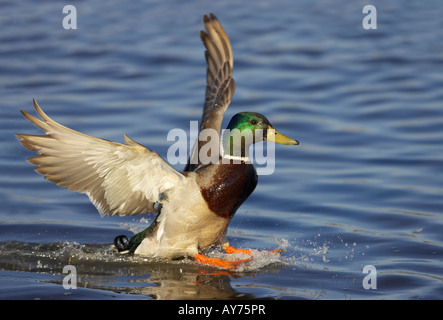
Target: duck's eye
(254, 122)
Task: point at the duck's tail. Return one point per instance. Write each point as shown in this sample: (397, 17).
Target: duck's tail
(123, 245)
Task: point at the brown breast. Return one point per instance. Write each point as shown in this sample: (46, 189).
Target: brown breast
(226, 186)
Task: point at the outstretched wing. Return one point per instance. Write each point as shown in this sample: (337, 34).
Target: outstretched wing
(220, 85)
(123, 179)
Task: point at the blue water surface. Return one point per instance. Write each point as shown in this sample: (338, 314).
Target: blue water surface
(365, 186)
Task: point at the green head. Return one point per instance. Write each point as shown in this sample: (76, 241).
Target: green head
(249, 128)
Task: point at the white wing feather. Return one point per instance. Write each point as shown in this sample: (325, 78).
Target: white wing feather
(123, 179)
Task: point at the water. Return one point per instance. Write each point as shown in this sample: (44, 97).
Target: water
(365, 187)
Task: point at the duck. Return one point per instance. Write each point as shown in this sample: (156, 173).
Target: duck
(192, 207)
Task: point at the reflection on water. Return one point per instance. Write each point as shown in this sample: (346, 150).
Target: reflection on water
(100, 267)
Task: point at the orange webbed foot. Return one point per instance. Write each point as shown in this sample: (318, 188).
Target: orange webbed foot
(231, 250)
(227, 264)
(276, 251)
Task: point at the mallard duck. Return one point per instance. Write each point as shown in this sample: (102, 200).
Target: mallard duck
(194, 207)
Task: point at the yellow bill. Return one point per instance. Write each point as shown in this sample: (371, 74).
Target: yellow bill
(275, 136)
